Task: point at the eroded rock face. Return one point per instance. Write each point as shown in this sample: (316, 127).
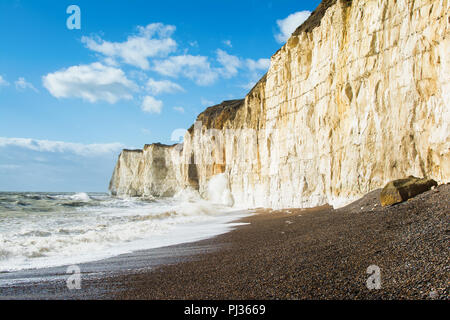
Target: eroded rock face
(357, 97)
(403, 189)
(126, 175)
(148, 172)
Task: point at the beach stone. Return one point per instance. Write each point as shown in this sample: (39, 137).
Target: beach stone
(403, 189)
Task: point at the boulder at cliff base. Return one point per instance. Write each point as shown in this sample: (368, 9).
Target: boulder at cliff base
(401, 190)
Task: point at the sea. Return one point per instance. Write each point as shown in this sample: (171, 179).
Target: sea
(50, 229)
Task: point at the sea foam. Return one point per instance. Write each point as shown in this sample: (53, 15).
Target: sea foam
(219, 190)
(50, 232)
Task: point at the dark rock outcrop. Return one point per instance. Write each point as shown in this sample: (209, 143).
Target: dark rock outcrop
(403, 189)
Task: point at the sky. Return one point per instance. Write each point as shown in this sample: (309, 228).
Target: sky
(81, 80)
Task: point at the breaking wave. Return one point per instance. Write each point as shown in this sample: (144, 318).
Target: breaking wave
(51, 229)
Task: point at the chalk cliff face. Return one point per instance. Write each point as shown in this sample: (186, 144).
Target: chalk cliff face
(358, 96)
(144, 173)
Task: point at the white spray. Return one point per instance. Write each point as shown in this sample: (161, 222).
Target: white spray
(219, 191)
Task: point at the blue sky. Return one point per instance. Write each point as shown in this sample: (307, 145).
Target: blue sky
(135, 71)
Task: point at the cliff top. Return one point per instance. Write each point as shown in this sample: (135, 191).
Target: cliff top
(215, 117)
(316, 16)
(157, 144)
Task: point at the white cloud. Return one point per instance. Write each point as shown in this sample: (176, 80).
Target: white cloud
(227, 43)
(151, 48)
(288, 25)
(92, 82)
(230, 63)
(111, 62)
(3, 82)
(163, 86)
(61, 147)
(145, 131)
(179, 109)
(196, 68)
(193, 43)
(255, 65)
(199, 69)
(138, 75)
(22, 84)
(151, 105)
(255, 68)
(154, 40)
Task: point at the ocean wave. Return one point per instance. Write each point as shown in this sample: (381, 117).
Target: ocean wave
(36, 233)
(74, 204)
(82, 196)
(22, 203)
(5, 254)
(85, 227)
(34, 196)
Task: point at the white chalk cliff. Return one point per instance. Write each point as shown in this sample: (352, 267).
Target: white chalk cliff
(358, 96)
